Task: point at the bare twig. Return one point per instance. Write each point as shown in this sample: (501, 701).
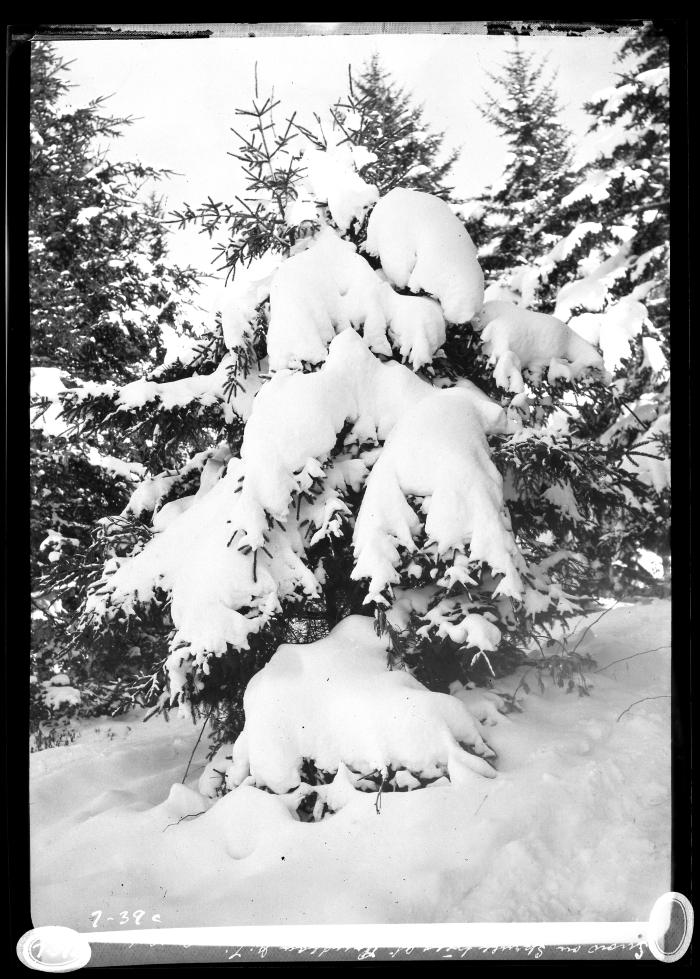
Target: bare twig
(189, 815)
(378, 800)
(623, 658)
(591, 624)
(661, 696)
(481, 804)
(196, 744)
(647, 455)
(624, 404)
(521, 682)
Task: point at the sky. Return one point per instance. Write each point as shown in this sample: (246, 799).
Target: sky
(184, 92)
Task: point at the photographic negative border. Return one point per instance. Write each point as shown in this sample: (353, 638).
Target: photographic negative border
(547, 941)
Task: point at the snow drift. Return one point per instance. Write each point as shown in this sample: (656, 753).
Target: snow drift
(575, 827)
(335, 702)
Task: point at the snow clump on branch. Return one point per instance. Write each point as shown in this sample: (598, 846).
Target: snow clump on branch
(517, 339)
(423, 246)
(330, 288)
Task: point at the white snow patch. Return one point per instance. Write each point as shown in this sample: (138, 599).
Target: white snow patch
(613, 330)
(332, 178)
(204, 389)
(46, 385)
(59, 693)
(335, 701)
(566, 245)
(654, 357)
(562, 496)
(603, 142)
(131, 471)
(652, 467)
(424, 247)
(516, 339)
(239, 300)
(612, 97)
(655, 77)
(86, 214)
(179, 347)
(591, 292)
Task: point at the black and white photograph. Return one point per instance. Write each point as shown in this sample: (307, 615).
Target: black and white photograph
(349, 465)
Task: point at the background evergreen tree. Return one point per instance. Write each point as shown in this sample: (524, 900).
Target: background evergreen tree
(101, 285)
(513, 218)
(607, 275)
(378, 114)
(620, 188)
(104, 297)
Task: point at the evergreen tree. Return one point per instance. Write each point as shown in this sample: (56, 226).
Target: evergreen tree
(103, 298)
(101, 285)
(357, 437)
(379, 115)
(513, 218)
(606, 274)
(620, 190)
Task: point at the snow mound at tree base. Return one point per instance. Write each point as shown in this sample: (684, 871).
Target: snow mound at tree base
(336, 703)
(576, 827)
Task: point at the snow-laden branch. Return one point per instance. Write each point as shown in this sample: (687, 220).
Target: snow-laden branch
(245, 540)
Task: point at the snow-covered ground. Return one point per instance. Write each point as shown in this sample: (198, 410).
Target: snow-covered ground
(575, 826)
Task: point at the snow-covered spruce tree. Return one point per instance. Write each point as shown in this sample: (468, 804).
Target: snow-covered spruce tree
(103, 301)
(606, 274)
(410, 153)
(515, 216)
(355, 476)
